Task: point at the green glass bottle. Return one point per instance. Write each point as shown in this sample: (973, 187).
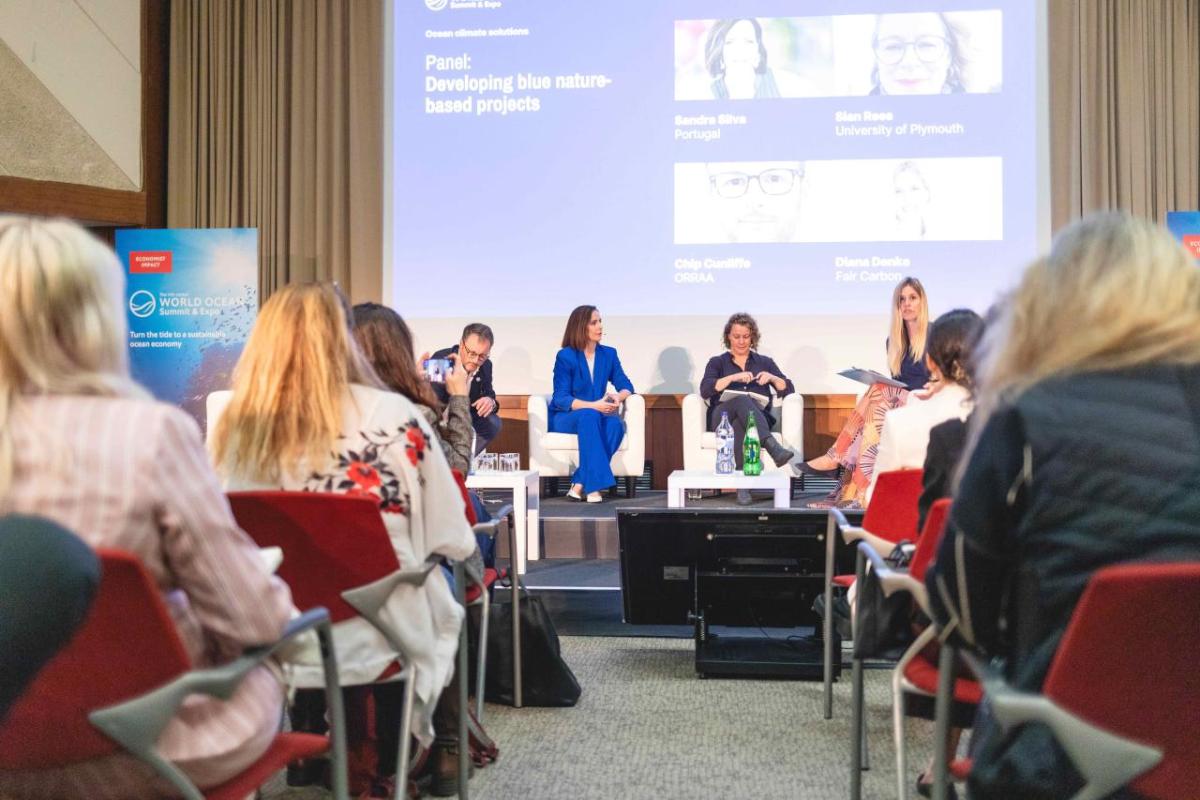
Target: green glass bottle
(751, 458)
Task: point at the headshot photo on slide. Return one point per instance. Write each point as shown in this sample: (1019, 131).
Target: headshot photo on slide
(738, 201)
(749, 58)
(918, 53)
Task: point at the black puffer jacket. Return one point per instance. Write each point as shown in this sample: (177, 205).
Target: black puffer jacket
(1080, 473)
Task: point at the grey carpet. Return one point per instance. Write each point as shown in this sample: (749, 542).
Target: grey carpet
(646, 727)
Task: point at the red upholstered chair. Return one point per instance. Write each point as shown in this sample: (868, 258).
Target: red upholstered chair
(890, 517)
(1124, 719)
(917, 672)
(337, 553)
(119, 681)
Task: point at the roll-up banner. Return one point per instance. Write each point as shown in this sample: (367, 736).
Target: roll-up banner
(191, 298)
(1186, 227)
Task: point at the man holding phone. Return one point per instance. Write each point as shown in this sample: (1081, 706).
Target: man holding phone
(472, 354)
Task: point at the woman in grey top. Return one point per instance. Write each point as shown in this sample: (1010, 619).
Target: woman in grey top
(387, 343)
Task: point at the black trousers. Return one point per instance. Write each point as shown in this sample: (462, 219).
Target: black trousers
(486, 429)
(740, 409)
(48, 579)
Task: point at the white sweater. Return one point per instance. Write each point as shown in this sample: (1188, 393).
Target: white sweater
(905, 436)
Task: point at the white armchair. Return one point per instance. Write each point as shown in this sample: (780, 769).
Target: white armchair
(700, 445)
(214, 407)
(556, 455)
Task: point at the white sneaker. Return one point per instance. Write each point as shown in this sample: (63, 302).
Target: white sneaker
(594, 497)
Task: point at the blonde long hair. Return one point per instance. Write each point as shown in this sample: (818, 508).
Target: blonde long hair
(289, 385)
(62, 320)
(1115, 291)
(898, 339)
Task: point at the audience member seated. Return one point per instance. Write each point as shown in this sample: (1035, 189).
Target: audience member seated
(905, 441)
(83, 445)
(742, 370)
(905, 436)
(582, 403)
(946, 443)
(471, 354)
(386, 341)
(1085, 454)
(308, 413)
(855, 447)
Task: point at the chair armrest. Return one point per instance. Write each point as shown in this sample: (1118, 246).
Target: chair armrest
(692, 417)
(791, 422)
(1105, 760)
(369, 599)
(894, 580)
(855, 534)
(136, 724)
(538, 414)
(635, 431)
(491, 527)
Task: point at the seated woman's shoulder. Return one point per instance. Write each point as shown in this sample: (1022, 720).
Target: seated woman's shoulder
(148, 416)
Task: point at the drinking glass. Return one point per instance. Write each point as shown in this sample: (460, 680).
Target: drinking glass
(510, 462)
(486, 462)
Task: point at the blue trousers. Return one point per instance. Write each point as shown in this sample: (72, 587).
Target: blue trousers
(599, 437)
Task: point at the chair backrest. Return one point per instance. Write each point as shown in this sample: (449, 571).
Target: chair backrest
(892, 512)
(330, 543)
(472, 518)
(1128, 663)
(930, 538)
(126, 646)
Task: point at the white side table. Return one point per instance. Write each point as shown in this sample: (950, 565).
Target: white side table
(525, 486)
(679, 481)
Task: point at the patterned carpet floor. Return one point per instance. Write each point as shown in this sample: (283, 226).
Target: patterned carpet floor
(646, 727)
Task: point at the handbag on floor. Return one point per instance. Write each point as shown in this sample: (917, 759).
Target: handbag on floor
(546, 678)
(884, 623)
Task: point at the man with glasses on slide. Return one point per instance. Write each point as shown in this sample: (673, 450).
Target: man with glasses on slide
(472, 353)
(757, 201)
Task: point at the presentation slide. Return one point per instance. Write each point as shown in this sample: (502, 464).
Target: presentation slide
(679, 158)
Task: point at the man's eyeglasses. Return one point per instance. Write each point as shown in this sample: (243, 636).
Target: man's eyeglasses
(929, 49)
(774, 181)
(466, 351)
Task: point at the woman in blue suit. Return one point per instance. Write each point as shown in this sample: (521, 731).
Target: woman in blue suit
(583, 405)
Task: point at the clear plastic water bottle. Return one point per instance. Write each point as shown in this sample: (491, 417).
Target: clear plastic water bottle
(725, 445)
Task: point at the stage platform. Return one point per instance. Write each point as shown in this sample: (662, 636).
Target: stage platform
(578, 577)
(572, 530)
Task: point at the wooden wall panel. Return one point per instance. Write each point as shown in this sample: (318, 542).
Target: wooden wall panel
(824, 416)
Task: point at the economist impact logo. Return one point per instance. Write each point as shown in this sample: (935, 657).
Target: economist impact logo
(1192, 242)
(147, 262)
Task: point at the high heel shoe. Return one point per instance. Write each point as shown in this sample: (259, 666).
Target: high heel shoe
(804, 468)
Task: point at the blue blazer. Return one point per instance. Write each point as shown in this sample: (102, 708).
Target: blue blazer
(572, 381)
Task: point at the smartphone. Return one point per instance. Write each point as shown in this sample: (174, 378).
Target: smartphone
(436, 369)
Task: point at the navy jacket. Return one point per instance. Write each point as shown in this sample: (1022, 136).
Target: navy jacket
(723, 365)
(572, 381)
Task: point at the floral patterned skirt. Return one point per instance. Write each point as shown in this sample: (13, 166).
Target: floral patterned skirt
(858, 442)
